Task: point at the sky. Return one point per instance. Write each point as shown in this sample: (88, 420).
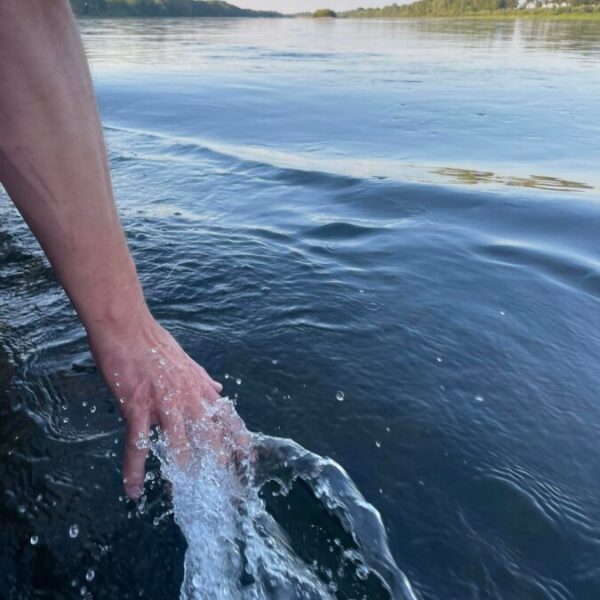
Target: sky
(292, 6)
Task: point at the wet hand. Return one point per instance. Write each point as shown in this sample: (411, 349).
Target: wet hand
(155, 383)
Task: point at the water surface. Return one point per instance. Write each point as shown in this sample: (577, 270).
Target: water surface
(382, 236)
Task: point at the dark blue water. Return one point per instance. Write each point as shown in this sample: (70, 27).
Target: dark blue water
(404, 212)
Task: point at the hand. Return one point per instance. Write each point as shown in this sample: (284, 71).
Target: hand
(155, 383)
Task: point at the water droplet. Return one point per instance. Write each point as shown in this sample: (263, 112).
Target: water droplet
(122, 400)
(339, 396)
(65, 419)
(439, 359)
(34, 539)
(83, 590)
(150, 476)
(90, 574)
(74, 531)
(93, 408)
(84, 403)
(479, 398)
(378, 443)
(388, 429)
(141, 505)
(362, 572)
(502, 313)
(238, 380)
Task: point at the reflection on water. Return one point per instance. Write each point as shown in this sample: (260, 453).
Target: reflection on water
(400, 99)
(299, 199)
(192, 44)
(534, 181)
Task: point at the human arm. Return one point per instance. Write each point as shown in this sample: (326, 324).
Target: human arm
(53, 165)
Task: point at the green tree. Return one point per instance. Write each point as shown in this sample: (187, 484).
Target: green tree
(324, 13)
(164, 8)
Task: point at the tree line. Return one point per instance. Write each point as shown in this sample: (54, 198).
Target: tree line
(164, 8)
(451, 8)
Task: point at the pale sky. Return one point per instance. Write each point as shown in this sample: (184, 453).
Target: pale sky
(293, 6)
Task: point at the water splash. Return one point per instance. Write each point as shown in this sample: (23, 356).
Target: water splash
(265, 519)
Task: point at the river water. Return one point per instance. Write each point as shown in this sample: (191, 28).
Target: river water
(383, 238)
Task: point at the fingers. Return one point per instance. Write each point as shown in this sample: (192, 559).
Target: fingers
(202, 389)
(196, 401)
(173, 426)
(136, 450)
(233, 424)
(206, 392)
(211, 394)
(216, 386)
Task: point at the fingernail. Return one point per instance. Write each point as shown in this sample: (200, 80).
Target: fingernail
(134, 491)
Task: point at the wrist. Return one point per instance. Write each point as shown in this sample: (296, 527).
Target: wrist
(125, 326)
(108, 295)
(114, 346)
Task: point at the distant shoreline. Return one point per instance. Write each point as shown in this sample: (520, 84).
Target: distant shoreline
(418, 9)
(477, 9)
(499, 16)
(167, 9)
(492, 15)
(178, 17)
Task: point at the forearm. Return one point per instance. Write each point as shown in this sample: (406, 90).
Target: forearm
(53, 161)
(53, 164)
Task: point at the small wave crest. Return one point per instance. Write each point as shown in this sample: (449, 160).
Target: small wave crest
(333, 169)
(268, 520)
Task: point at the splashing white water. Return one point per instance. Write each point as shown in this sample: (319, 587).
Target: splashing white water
(239, 510)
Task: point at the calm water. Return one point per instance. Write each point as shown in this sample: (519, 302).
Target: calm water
(404, 212)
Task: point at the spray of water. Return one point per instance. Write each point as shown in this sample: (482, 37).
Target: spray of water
(265, 519)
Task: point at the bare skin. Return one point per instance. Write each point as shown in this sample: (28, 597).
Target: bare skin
(54, 166)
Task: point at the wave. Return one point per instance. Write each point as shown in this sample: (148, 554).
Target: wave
(280, 524)
(334, 170)
(573, 271)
